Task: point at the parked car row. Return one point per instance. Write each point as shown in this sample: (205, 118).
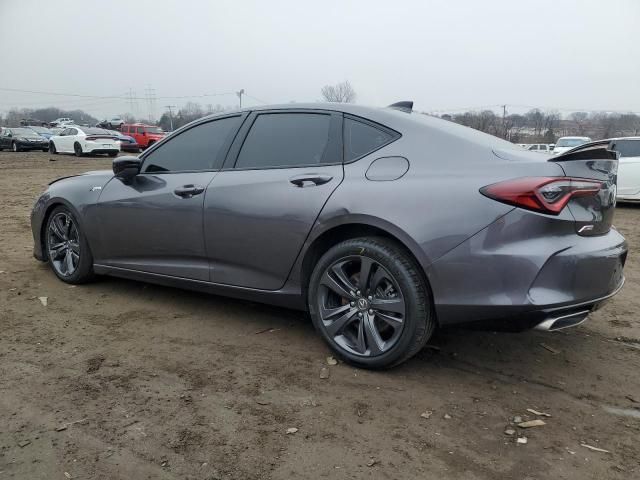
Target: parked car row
(563, 144)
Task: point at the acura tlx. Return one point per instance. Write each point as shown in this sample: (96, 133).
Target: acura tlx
(382, 223)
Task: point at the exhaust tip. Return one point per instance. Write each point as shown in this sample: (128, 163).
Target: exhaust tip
(564, 321)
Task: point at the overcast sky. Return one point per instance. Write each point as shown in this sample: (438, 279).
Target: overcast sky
(444, 55)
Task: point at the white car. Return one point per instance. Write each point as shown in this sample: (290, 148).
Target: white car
(628, 168)
(84, 140)
(540, 148)
(567, 143)
(61, 121)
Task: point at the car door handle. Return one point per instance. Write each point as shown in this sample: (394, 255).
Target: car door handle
(306, 178)
(188, 191)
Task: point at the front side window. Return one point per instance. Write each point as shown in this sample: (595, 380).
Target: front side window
(198, 148)
(361, 138)
(72, 131)
(285, 140)
(140, 130)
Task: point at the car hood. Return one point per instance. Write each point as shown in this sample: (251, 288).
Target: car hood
(99, 177)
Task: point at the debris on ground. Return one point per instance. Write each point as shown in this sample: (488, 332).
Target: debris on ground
(43, 301)
(539, 414)
(61, 428)
(631, 399)
(371, 462)
(266, 330)
(24, 443)
(447, 416)
(331, 361)
(509, 431)
(551, 349)
(262, 402)
(531, 423)
(324, 373)
(521, 440)
(595, 449)
(427, 414)
(291, 430)
(517, 419)
(67, 475)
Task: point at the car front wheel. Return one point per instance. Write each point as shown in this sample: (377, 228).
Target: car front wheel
(67, 249)
(77, 149)
(15, 147)
(369, 302)
(52, 148)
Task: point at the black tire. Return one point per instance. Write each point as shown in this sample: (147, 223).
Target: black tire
(52, 148)
(404, 285)
(83, 271)
(45, 150)
(112, 154)
(15, 147)
(77, 150)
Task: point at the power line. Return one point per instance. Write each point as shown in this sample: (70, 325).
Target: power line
(120, 97)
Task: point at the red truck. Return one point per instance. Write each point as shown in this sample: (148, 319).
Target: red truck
(145, 135)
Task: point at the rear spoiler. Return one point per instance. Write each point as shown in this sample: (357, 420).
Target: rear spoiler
(590, 151)
(404, 106)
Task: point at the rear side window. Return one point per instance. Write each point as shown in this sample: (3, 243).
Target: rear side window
(285, 140)
(628, 148)
(199, 148)
(362, 138)
(140, 129)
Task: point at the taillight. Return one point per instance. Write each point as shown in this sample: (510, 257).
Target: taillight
(541, 194)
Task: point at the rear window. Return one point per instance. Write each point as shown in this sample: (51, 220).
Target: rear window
(627, 148)
(97, 131)
(362, 138)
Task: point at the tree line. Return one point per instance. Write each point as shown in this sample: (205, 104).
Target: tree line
(538, 126)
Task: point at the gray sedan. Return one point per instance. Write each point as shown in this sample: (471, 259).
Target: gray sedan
(382, 223)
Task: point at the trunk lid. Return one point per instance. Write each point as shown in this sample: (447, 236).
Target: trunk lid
(593, 214)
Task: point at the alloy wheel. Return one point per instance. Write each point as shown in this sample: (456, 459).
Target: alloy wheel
(63, 244)
(361, 306)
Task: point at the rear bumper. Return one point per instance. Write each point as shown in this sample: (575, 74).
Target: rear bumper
(526, 269)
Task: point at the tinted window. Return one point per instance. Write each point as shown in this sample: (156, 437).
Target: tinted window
(361, 138)
(72, 131)
(199, 148)
(140, 130)
(285, 140)
(628, 148)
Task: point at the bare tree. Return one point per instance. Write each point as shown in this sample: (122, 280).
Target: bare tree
(340, 93)
(580, 119)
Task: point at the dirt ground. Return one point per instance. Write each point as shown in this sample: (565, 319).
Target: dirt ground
(119, 379)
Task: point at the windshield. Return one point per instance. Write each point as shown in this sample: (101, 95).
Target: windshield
(40, 129)
(570, 142)
(22, 131)
(153, 130)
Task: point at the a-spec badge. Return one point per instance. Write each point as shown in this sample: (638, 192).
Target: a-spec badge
(94, 189)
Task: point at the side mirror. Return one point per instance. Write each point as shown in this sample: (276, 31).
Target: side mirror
(125, 168)
(144, 134)
(9, 135)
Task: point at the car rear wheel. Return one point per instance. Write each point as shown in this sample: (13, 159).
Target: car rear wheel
(369, 302)
(52, 148)
(77, 149)
(67, 249)
(112, 154)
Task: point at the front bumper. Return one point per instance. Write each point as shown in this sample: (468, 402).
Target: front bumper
(33, 145)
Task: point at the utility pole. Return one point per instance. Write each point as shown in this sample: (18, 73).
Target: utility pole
(240, 93)
(169, 107)
(504, 119)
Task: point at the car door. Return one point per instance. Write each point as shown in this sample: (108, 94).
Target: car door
(260, 208)
(154, 222)
(628, 166)
(5, 139)
(69, 139)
